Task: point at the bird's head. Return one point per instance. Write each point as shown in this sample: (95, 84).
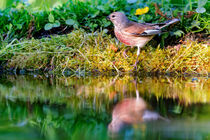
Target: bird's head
(119, 19)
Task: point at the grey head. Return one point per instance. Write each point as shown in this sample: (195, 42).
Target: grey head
(119, 19)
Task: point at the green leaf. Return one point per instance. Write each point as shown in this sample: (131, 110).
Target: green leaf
(19, 26)
(180, 2)
(131, 1)
(105, 31)
(106, 23)
(178, 33)
(75, 26)
(200, 10)
(56, 24)
(51, 18)
(95, 25)
(147, 17)
(48, 26)
(95, 14)
(100, 7)
(201, 3)
(9, 27)
(175, 12)
(195, 23)
(70, 22)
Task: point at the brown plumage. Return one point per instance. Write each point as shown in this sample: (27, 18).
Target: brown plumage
(131, 111)
(135, 34)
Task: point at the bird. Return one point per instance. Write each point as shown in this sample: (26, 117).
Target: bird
(133, 33)
(132, 111)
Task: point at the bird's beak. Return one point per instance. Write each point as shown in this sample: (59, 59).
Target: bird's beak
(108, 18)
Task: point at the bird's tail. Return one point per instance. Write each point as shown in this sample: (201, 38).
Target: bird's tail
(169, 22)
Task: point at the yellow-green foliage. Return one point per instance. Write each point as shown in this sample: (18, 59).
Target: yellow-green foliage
(100, 52)
(192, 57)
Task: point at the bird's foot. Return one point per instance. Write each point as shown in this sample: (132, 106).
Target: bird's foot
(125, 55)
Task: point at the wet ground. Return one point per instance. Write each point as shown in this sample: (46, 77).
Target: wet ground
(117, 107)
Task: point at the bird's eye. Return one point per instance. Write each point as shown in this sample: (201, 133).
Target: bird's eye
(113, 16)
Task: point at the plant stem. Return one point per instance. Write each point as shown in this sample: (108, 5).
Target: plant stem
(190, 5)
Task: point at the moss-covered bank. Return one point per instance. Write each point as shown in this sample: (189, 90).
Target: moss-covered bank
(98, 52)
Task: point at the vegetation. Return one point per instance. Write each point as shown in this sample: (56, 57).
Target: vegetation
(74, 39)
(20, 21)
(81, 52)
(91, 48)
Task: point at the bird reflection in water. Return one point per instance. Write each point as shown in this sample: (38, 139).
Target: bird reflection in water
(131, 111)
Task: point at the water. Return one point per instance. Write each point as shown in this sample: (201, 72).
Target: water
(120, 107)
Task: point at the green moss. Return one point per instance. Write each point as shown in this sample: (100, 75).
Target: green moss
(100, 52)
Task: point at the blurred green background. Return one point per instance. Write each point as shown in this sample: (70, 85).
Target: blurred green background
(36, 4)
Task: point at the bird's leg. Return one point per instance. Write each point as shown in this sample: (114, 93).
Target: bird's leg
(137, 91)
(125, 51)
(137, 61)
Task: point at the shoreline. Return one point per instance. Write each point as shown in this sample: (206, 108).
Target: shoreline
(84, 53)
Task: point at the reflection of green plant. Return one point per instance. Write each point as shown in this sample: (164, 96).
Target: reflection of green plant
(45, 121)
(76, 108)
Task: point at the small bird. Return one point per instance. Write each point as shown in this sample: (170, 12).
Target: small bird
(132, 111)
(135, 34)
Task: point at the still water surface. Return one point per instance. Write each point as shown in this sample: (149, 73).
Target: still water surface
(120, 107)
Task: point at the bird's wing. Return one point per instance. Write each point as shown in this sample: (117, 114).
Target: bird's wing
(162, 25)
(146, 29)
(169, 22)
(138, 29)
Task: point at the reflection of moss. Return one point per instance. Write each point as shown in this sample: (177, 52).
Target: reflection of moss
(81, 52)
(80, 108)
(95, 91)
(55, 121)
